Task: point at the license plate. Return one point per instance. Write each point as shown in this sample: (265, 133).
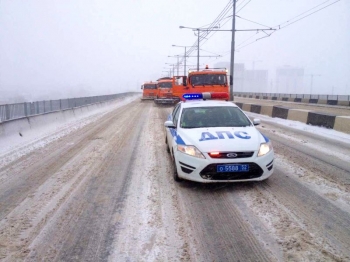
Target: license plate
(232, 168)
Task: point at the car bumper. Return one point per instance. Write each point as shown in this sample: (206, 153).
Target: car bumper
(204, 170)
(166, 101)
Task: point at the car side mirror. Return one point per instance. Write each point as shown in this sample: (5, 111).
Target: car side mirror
(256, 121)
(169, 124)
(231, 81)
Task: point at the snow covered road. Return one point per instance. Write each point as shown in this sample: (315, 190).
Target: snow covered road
(101, 189)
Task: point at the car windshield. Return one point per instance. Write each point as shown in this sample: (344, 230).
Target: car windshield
(165, 85)
(223, 116)
(150, 86)
(208, 79)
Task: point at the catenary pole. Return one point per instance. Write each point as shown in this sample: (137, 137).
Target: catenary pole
(232, 65)
(198, 51)
(185, 62)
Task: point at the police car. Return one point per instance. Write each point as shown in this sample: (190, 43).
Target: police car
(214, 141)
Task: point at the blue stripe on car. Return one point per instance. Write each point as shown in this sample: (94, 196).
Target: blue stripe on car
(265, 137)
(174, 134)
(179, 140)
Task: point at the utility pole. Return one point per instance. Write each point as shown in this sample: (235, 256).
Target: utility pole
(198, 30)
(233, 30)
(184, 55)
(232, 65)
(198, 50)
(312, 81)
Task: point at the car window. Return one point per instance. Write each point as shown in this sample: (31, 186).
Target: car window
(175, 114)
(213, 117)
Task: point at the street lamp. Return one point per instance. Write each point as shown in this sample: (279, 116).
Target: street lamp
(198, 30)
(177, 64)
(184, 55)
(173, 65)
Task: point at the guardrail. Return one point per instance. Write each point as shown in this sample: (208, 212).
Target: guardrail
(306, 98)
(19, 110)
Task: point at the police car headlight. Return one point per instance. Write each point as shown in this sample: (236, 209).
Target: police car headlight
(190, 150)
(265, 148)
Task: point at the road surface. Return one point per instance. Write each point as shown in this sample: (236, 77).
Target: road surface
(103, 191)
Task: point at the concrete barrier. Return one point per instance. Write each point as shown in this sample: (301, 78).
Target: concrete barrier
(342, 124)
(266, 110)
(239, 104)
(298, 115)
(339, 123)
(343, 103)
(280, 112)
(255, 109)
(321, 119)
(332, 102)
(322, 101)
(24, 126)
(246, 107)
(313, 101)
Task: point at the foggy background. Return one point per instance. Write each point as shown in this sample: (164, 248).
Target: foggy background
(72, 48)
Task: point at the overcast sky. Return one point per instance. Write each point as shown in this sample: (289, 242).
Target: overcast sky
(71, 47)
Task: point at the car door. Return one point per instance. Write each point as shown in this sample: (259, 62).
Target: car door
(172, 132)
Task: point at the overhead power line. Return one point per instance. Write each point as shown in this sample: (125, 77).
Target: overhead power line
(243, 6)
(289, 22)
(310, 14)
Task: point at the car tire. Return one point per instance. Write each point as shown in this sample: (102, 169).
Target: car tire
(175, 174)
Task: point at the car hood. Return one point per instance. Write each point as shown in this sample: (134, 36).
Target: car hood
(222, 139)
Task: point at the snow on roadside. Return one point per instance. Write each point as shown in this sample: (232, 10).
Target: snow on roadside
(14, 147)
(321, 131)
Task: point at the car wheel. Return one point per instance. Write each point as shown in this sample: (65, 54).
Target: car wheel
(175, 174)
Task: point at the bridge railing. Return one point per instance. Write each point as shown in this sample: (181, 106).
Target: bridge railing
(19, 110)
(340, 98)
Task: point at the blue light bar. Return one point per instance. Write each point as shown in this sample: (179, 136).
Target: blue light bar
(192, 96)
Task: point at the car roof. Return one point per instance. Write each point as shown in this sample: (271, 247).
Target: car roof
(207, 103)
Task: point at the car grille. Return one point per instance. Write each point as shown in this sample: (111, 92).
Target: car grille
(209, 173)
(238, 155)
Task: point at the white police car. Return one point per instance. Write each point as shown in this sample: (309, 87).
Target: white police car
(214, 141)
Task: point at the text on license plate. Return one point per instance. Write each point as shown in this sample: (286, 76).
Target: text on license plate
(232, 168)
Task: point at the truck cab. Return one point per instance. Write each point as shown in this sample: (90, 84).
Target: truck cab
(203, 80)
(165, 87)
(165, 92)
(149, 90)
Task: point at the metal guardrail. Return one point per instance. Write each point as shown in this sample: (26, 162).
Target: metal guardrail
(302, 96)
(19, 110)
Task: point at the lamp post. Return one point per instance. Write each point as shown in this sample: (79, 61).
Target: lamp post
(184, 55)
(173, 65)
(198, 30)
(177, 64)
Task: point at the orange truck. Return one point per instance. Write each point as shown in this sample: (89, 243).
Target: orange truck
(149, 90)
(165, 91)
(204, 80)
